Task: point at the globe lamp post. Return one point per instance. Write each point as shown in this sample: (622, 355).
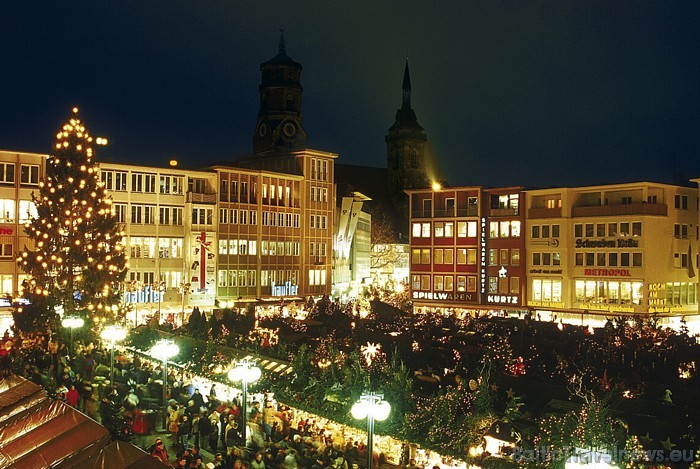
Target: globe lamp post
(246, 372)
(72, 322)
(372, 407)
(112, 334)
(165, 349)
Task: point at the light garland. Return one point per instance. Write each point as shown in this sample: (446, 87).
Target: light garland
(78, 260)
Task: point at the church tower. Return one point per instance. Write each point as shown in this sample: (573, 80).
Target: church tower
(279, 118)
(406, 156)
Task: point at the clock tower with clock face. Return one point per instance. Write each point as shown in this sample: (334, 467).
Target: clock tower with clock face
(279, 119)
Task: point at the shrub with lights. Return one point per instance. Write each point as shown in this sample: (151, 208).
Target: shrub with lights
(77, 260)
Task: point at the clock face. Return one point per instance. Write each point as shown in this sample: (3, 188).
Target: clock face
(262, 130)
(289, 129)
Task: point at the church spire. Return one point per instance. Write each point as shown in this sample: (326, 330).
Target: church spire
(283, 46)
(406, 88)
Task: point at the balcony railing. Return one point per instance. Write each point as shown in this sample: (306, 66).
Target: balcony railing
(621, 209)
(468, 212)
(544, 212)
(503, 212)
(195, 197)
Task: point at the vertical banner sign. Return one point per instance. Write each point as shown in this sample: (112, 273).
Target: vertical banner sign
(204, 247)
(482, 245)
(203, 269)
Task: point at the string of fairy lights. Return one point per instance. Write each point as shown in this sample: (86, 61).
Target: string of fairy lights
(78, 257)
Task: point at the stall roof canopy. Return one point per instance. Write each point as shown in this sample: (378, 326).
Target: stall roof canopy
(37, 431)
(121, 455)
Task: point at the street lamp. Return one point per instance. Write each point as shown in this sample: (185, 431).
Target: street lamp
(372, 407)
(184, 289)
(160, 286)
(113, 334)
(72, 322)
(246, 372)
(165, 349)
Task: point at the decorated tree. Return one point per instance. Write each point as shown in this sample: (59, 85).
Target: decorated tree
(77, 260)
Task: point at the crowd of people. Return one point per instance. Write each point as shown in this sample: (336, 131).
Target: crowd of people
(196, 424)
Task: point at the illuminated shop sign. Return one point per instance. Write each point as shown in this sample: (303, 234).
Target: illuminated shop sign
(6, 231)
(445, 296)
(607, 272)
(483, 255)
(147, 295)
(657, 296)
(604, 307)
(285, 289)
(545, 271)
(546, 304)
(507, 299)
(607, 243)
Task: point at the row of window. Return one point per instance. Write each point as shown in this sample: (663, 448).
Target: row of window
(143, 182)
(504, 229)
(317, 277)
(319, 169)
(147, 247)
(28, 173)
(608, 292)
(238, 247)
(9, 212)
(237, 278)
(546, 258)
(465, 229)
(234, 216)
(235, 195)
(460, 283)
(318, 222)
(601, 230)
(467, 256)
(546, 290)
(545, 231)
(170, 279)
(145, 214)
(282, 219)
(504, 285)
(610, 259)
(319, 194)
(680, 230)
(275, 194)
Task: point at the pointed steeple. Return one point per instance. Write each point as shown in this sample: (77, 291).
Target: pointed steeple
(283, 46)
(406, 116)
(406, 88)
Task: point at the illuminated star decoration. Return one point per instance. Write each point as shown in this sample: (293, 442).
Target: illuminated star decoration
(668, 446)
(510, 393)
(646, 439)
(370, 351)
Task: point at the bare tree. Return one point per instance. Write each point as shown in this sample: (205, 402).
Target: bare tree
(384, 239)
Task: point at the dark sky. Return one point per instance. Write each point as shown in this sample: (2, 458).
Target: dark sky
(510, 92)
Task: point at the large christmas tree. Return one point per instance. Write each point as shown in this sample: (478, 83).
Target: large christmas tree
(77, 260)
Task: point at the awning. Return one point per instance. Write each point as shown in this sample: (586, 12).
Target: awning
(38, 432)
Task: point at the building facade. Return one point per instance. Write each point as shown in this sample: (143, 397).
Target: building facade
(20, 173)
(466, 247)
(586, 253)
(613, 249)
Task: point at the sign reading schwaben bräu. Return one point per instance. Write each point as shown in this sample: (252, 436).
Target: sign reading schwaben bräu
(607, 243)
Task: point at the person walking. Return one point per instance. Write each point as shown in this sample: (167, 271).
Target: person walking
(185, 431)
(204, 429)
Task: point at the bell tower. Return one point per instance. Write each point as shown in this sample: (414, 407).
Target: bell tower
(406, 156)
(279, 126)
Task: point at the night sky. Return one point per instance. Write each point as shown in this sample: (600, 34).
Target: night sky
(535, 93)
